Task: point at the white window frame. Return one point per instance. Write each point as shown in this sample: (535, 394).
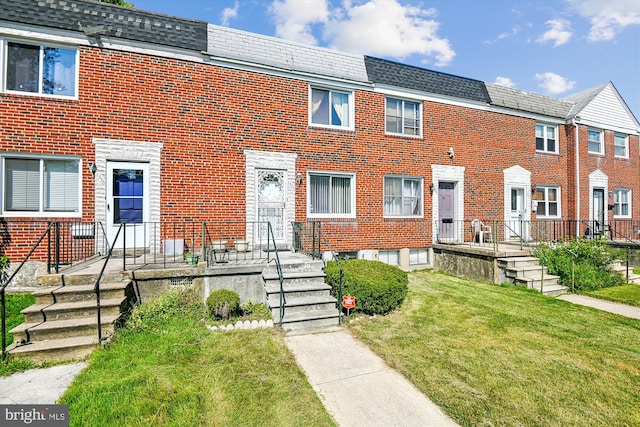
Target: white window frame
(545, 137)
(41, 212)
(600, 142)
(545, 189)
(391, 257)
(330, 174)
(625, 146)
(350, 100)
(402, 196)
(617, 204)
(41, 45)
(418, 256)
(402, 132)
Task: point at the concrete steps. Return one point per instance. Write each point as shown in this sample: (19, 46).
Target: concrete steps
(633, 278)
(307, 299)
(527, 271)
(62, 324)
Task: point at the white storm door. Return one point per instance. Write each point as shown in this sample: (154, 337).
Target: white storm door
(271, 197)
(127, 203)
(516, 226)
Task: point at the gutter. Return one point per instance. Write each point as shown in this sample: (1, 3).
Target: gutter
(577, 142)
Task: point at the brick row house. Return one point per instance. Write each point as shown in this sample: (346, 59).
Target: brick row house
(112, 115)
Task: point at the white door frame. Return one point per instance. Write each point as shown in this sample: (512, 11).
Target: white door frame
(517, 177)
(135, 231)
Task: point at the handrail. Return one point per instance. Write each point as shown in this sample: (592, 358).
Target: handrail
(278, 267)
(96, 288)
(5, 284)
(628, 241)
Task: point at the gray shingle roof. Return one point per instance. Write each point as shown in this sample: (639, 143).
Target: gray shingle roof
(529, 102)
(121, 22)
(420, 79)
(258, 49)
(581, 99)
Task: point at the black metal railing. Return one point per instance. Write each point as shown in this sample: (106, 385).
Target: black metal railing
(309, 238)
(276, 257)
(96, 287)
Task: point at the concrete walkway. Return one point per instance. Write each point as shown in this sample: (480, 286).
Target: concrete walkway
(611, 307)
(357, 387)
(38, 386)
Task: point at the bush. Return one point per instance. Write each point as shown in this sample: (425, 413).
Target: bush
(591, 261)
(223, 303)
(378, 287)
(154, 314)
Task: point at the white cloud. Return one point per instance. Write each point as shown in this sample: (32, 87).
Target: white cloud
(294, 18)
(504, 81)
(553, 83)
(376, 27)
(228, 14)
(559, 32)
(607, 17)
(514, 31)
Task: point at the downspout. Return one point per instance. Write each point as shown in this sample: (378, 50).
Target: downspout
(577, 142)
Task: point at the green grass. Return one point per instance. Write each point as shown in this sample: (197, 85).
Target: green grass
(625, 294)
(167, 369)
(15, 302)
(499, 355)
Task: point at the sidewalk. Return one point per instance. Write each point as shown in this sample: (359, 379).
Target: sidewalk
(611, 307)
(356, 386)
(38, 386)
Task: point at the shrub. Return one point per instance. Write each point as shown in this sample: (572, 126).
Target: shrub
(223, 303)
(153, 314)
(583, 263)
(378, 287)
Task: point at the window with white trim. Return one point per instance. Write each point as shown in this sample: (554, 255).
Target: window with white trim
(621, 145)
(41, 70)
(403, 117)
(41, 186)
(595, 141)
(418, 256)
(548, 201)
(331, 195)
(331, 108)
(389, 257)
(402, 196)
(622, 202)
(546, 138)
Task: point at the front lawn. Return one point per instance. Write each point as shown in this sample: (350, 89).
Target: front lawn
(167, 368)
(624, 294)
(494, 355)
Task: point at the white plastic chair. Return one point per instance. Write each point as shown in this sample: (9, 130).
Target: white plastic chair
(481, 233)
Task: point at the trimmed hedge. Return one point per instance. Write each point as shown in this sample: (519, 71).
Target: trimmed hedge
(378, 287)
(223, 303)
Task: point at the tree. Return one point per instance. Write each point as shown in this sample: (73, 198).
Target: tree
(118, 2)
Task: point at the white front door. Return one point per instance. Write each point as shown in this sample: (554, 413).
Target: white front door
(517, 226)
(127, 203)
(598, 210)
(271, 196)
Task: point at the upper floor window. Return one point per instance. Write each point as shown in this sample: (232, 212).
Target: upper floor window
(546, 139)
(403, 117)
(331, 108)
(621, 144)
(402, 196)
(41, 70)
(595, 141)
(331, 195)
(548, 201)
(48, 186)
(621, 202)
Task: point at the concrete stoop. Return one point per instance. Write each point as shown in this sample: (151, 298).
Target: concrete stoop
(527, 271)
(307, 299)
(633, 278)
(62, 324)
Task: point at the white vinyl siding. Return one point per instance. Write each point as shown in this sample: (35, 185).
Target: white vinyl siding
(41, 186)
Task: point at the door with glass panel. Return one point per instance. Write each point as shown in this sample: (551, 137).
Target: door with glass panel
(128, 204)
(598, 211)
(447, 229)
(271, 196)
(517, 227)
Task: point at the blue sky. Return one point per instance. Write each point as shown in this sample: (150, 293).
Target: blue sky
(550, 47)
